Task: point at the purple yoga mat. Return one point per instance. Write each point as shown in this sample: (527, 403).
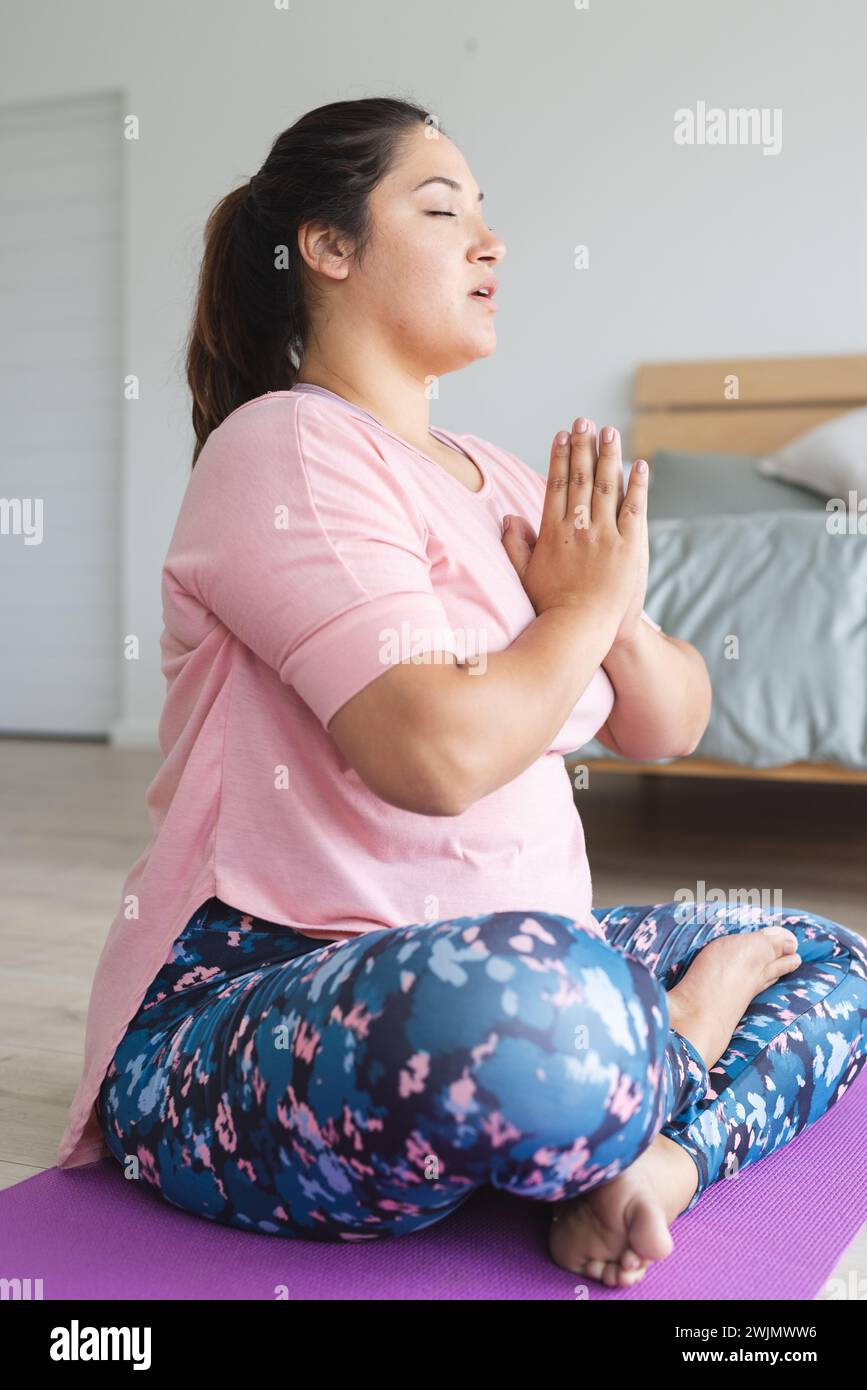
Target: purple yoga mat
(776, 1231)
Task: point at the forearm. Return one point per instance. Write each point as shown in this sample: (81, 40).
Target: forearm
(662, 695)
(489, 727)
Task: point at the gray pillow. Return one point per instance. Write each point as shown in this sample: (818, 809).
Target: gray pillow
(686, 485)
(831, 458)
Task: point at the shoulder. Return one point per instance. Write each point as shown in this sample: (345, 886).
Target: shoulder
(270, 410)
(250, 441)
(279, 414)
(288, 430)
(321, 459)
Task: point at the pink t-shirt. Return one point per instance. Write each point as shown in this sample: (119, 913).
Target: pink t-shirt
(313, 549)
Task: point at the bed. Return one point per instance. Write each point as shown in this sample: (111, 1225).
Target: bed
(736, 554)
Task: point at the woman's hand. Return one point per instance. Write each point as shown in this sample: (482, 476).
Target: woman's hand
(629, 625)
(589, 553)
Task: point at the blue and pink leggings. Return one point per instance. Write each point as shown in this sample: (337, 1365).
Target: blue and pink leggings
(360, 1089)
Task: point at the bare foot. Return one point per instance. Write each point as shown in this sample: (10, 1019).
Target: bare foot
(615, 1231)
(715, 993)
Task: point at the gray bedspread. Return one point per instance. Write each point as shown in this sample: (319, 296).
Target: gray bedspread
(794, 595)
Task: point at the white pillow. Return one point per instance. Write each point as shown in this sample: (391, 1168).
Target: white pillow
(831, 458)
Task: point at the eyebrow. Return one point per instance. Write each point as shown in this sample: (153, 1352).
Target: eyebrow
(441, 178)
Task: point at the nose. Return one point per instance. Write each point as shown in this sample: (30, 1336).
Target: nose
(492, 248)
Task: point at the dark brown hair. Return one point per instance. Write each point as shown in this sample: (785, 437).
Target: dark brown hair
(252, 312)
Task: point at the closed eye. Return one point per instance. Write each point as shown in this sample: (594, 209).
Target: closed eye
(448, 214)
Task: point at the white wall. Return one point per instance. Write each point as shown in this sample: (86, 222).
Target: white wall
(566, 118)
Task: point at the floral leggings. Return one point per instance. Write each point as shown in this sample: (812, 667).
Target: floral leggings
(364, 1088)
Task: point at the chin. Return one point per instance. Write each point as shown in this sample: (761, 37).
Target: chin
(484, 349)
(481, 346)
(457, 361)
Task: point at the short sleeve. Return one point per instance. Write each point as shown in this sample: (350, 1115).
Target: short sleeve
(299, 537)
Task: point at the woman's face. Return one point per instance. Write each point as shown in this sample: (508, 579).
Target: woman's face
(430, 248)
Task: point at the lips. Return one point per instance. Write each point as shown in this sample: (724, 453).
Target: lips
(486, 289)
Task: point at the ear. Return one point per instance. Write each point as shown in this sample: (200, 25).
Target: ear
(322, 248)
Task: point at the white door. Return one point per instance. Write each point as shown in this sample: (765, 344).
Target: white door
(61, 379)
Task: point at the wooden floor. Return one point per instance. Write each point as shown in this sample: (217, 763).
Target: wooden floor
(73, 821)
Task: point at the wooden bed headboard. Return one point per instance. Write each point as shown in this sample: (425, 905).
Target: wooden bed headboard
(740, 405)
(750, 405)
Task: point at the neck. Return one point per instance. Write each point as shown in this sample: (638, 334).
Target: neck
(391, 394)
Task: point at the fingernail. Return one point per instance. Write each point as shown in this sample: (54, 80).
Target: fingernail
(607, 435)
(640, 466)
(563, 439)
(506, 524)
(581, 427)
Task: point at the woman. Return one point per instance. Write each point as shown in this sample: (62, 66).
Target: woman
(356, 973)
